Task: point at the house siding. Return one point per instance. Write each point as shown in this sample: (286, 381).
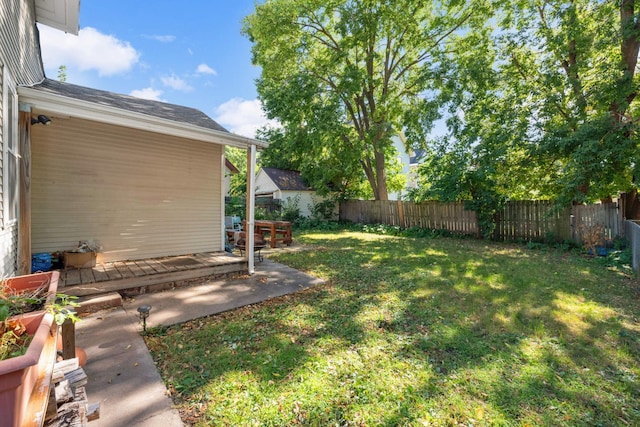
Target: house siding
(8, 232)
(139, 194)
(264, 184)
(19, 44)
(306, 200)
(2, 136)
(20, 54)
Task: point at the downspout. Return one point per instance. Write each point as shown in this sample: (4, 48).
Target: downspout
(251, 205)
(24, 192)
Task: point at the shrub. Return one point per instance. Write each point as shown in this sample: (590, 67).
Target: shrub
(324, 210)
(290, 210)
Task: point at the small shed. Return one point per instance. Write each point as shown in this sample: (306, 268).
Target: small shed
(286, 185)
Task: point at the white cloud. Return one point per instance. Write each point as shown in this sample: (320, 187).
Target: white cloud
(89, 50)
(162, 39)
(148, 93)
(205, 69)
(243, 117)
(176, 83)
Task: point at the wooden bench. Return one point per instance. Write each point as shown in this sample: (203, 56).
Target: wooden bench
(283, 229)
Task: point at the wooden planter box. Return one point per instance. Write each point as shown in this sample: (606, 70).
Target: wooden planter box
(24, 380)
(32, 282)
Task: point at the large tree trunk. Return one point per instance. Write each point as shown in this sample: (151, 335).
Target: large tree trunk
(629, 50)
(378, 178)
(381, 177)
(371, 176)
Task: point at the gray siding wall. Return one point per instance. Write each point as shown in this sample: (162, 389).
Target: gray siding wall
(2, 137)
(19, 44)
(20, 53)
(140, 194)
(8, 235)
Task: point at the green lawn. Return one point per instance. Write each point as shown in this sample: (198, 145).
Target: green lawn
(417, 331)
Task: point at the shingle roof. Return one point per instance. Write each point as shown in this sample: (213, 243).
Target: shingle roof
(176, 113)
(286, 180)
(417, 156)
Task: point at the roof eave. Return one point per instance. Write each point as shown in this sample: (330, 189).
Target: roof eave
(63, 15)
(58, 104)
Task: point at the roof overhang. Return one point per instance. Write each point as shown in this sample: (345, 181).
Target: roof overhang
(232, 168)
(59, 14)
(71, 107)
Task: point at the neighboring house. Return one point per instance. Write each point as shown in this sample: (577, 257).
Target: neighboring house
(399, 143)
(229, 169)
(414, 162)
(287, 186)
(143, 178)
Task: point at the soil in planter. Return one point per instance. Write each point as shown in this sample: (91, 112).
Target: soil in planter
(13, 303)
(14, 339)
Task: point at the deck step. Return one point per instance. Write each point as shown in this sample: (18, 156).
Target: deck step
(134, 277)
(132, 286)
(102, 302)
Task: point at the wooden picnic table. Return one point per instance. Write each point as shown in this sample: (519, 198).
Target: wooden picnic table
(279, 231)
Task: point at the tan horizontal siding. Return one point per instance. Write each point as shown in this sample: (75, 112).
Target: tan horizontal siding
(138, 193)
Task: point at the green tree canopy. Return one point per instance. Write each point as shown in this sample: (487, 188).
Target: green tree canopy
(238, 158)
(342, 76)
(542, 103)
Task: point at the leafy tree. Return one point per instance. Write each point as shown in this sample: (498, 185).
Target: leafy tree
(239, 180)
(577, 60)
(342, 75)
(324, 170)
(541, 102)
(62, 73)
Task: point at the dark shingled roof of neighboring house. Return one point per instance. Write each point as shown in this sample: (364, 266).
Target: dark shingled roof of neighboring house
(287, 180)
(417, 157)
(176, 113)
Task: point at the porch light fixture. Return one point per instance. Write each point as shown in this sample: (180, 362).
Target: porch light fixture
(143, 311)
(41, 119)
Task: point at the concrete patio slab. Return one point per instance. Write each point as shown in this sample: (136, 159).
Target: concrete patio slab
(122, 375)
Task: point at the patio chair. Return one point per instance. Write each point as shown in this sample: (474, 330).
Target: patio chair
(258, 244)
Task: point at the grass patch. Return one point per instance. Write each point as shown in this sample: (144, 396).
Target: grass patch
(413, 332)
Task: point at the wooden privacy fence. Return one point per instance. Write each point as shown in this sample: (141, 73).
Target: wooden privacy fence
(609, 215)
(432, 214)
(528, 220)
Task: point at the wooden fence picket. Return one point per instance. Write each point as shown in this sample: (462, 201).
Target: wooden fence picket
(527, 220)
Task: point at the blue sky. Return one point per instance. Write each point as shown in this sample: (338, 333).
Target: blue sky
(189, 53)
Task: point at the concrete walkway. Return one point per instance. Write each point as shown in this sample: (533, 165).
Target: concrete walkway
(122, 375)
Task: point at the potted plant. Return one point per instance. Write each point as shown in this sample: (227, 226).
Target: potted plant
(28, 333)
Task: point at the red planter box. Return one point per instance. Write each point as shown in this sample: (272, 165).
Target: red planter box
(20, 375)
(30, 282)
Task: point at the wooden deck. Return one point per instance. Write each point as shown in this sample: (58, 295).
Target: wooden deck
(139, 276)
